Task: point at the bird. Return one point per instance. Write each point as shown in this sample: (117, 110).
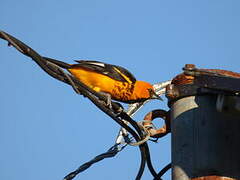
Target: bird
(115, 82)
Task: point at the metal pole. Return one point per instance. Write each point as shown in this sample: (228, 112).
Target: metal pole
(205, 142)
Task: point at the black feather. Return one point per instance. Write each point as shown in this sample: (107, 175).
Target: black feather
(106, 69)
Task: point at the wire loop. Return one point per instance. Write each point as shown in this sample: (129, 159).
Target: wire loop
(149, 126)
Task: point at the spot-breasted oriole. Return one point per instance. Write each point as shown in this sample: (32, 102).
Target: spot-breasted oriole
(109, 79)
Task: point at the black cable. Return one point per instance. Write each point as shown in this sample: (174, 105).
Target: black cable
(163, 171)
(144, 147)
(110, 153)
(23, 48)
(57, 74)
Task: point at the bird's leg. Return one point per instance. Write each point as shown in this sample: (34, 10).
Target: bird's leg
(108, 99)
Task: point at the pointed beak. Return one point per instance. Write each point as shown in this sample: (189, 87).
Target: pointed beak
(154, 95)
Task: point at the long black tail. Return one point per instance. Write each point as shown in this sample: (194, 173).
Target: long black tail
(59, 63)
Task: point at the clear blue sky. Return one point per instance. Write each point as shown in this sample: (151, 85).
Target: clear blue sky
(46, 130)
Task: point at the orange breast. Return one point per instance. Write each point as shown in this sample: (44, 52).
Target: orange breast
(102, 83)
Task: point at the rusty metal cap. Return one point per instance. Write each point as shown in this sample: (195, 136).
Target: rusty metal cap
(194, 81)
(190, 72)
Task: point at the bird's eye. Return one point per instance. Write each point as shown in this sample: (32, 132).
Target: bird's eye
(150, 91)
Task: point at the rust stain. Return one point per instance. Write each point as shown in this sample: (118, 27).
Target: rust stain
(213, 178)
(172, 91)
(158, 113)
(223, 72)
(183, 79)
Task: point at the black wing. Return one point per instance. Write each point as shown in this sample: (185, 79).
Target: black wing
(116, 72)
